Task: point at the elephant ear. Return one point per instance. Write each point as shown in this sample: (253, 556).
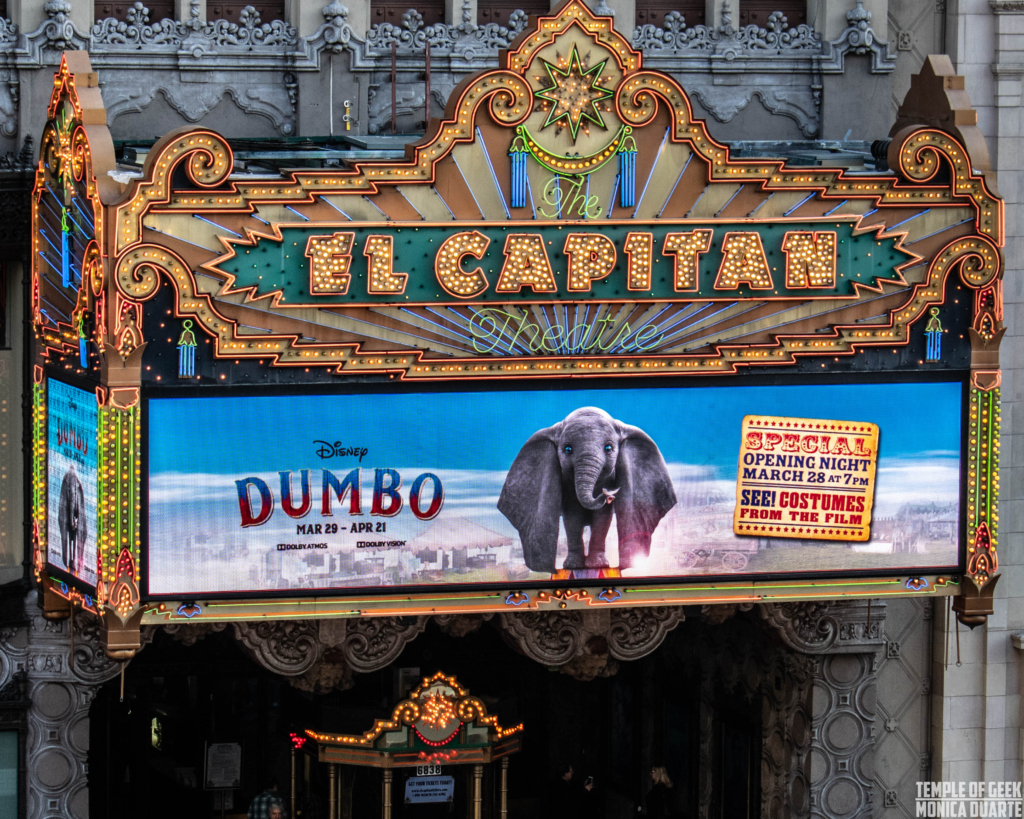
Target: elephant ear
(83, 519)
(645, 493)
(531, 498)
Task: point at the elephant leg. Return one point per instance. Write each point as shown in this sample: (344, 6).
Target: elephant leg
(574, 537)
(599, 527)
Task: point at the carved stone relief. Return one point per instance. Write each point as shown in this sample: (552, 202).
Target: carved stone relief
(60, 693)
(902, 748)
(844, 637)
(827, 626)
(816, 691)
(586, 643)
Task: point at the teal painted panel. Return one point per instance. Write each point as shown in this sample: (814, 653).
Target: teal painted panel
(271, 266)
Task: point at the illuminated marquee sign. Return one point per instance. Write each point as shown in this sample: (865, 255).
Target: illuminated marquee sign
(432, 265)
(443, 504)
(567, 231)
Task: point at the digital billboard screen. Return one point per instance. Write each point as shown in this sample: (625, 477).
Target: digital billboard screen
(72, 419)
(510, 487)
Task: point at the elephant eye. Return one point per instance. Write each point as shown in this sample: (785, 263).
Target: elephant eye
(568, 450)
(607, 447)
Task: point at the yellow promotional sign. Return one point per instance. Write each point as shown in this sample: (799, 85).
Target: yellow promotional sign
(806, 478)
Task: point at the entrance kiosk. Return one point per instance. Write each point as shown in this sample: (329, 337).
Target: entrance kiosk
(439, 725)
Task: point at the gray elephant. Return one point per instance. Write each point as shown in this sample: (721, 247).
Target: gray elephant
(586, 469)
(71, 518)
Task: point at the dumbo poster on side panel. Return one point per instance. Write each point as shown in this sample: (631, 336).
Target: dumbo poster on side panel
(71, 480)
(508, 487)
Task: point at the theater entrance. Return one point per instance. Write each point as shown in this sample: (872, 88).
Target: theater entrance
(695, 706)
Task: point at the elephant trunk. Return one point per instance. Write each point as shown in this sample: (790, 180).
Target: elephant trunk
(586, 480)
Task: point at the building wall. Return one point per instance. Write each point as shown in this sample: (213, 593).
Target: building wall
(294, 77)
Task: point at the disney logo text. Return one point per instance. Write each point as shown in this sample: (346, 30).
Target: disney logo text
(325, 449)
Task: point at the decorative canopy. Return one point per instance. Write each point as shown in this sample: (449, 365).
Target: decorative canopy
(439, 722)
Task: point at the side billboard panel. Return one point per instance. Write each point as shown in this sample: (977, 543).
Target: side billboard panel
(510, 487)
(72, 422)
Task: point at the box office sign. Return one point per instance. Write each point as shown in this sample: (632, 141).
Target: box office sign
(425, 789)
(377, 491)
(806, 478)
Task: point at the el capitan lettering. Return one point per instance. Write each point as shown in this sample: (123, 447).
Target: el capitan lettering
(561, 261)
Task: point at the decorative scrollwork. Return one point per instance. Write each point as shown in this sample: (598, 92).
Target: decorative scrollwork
(286, 647)
(91, 664)
(675, 37)
(581, 641)
(371, 643)
(8, 31)
(210, 160)
(412, 35)
(977, 258)
(512, 101)
(916, 154)
(826, 627)
(549, 637)
(249, 32)
(802, 626)
(406, 713)
(58, 31)
(635, 633)
(135, 29)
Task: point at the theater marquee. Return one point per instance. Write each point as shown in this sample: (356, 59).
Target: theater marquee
(569, 351)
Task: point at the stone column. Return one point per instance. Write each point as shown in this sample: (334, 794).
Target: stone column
(58, 719)
(183, 9)
(844, 638)
(26, 14)
(461, 13)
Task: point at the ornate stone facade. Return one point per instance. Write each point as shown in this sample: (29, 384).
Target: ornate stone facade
(254, 76)
(815, 688)
(844, 639)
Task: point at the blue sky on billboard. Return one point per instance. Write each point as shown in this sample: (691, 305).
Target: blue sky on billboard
(484, 430)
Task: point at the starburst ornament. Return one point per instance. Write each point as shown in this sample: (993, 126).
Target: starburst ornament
(438, 711)
(574, 93)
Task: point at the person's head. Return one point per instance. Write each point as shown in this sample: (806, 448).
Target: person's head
(565, 771)
(272, 784)
(659, 776)
(276, 811)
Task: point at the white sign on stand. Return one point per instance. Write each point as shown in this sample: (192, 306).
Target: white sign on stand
(223, 765)
(420, 789)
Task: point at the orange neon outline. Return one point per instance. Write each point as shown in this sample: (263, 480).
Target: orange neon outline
(409, 711)
(63, 339)
(273, 233)
(668, 248)
(477, 251)
(790, 234)
(286, 350)
(346, 239)
(528, 239)
(917, 157)
(372, 254)
(726, 241)
(629, 247)
(573, 253)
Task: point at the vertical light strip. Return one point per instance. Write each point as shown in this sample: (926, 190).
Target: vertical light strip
(39, 440)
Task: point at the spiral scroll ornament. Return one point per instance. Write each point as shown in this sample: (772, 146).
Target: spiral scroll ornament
(919, 155)
(209, 162)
